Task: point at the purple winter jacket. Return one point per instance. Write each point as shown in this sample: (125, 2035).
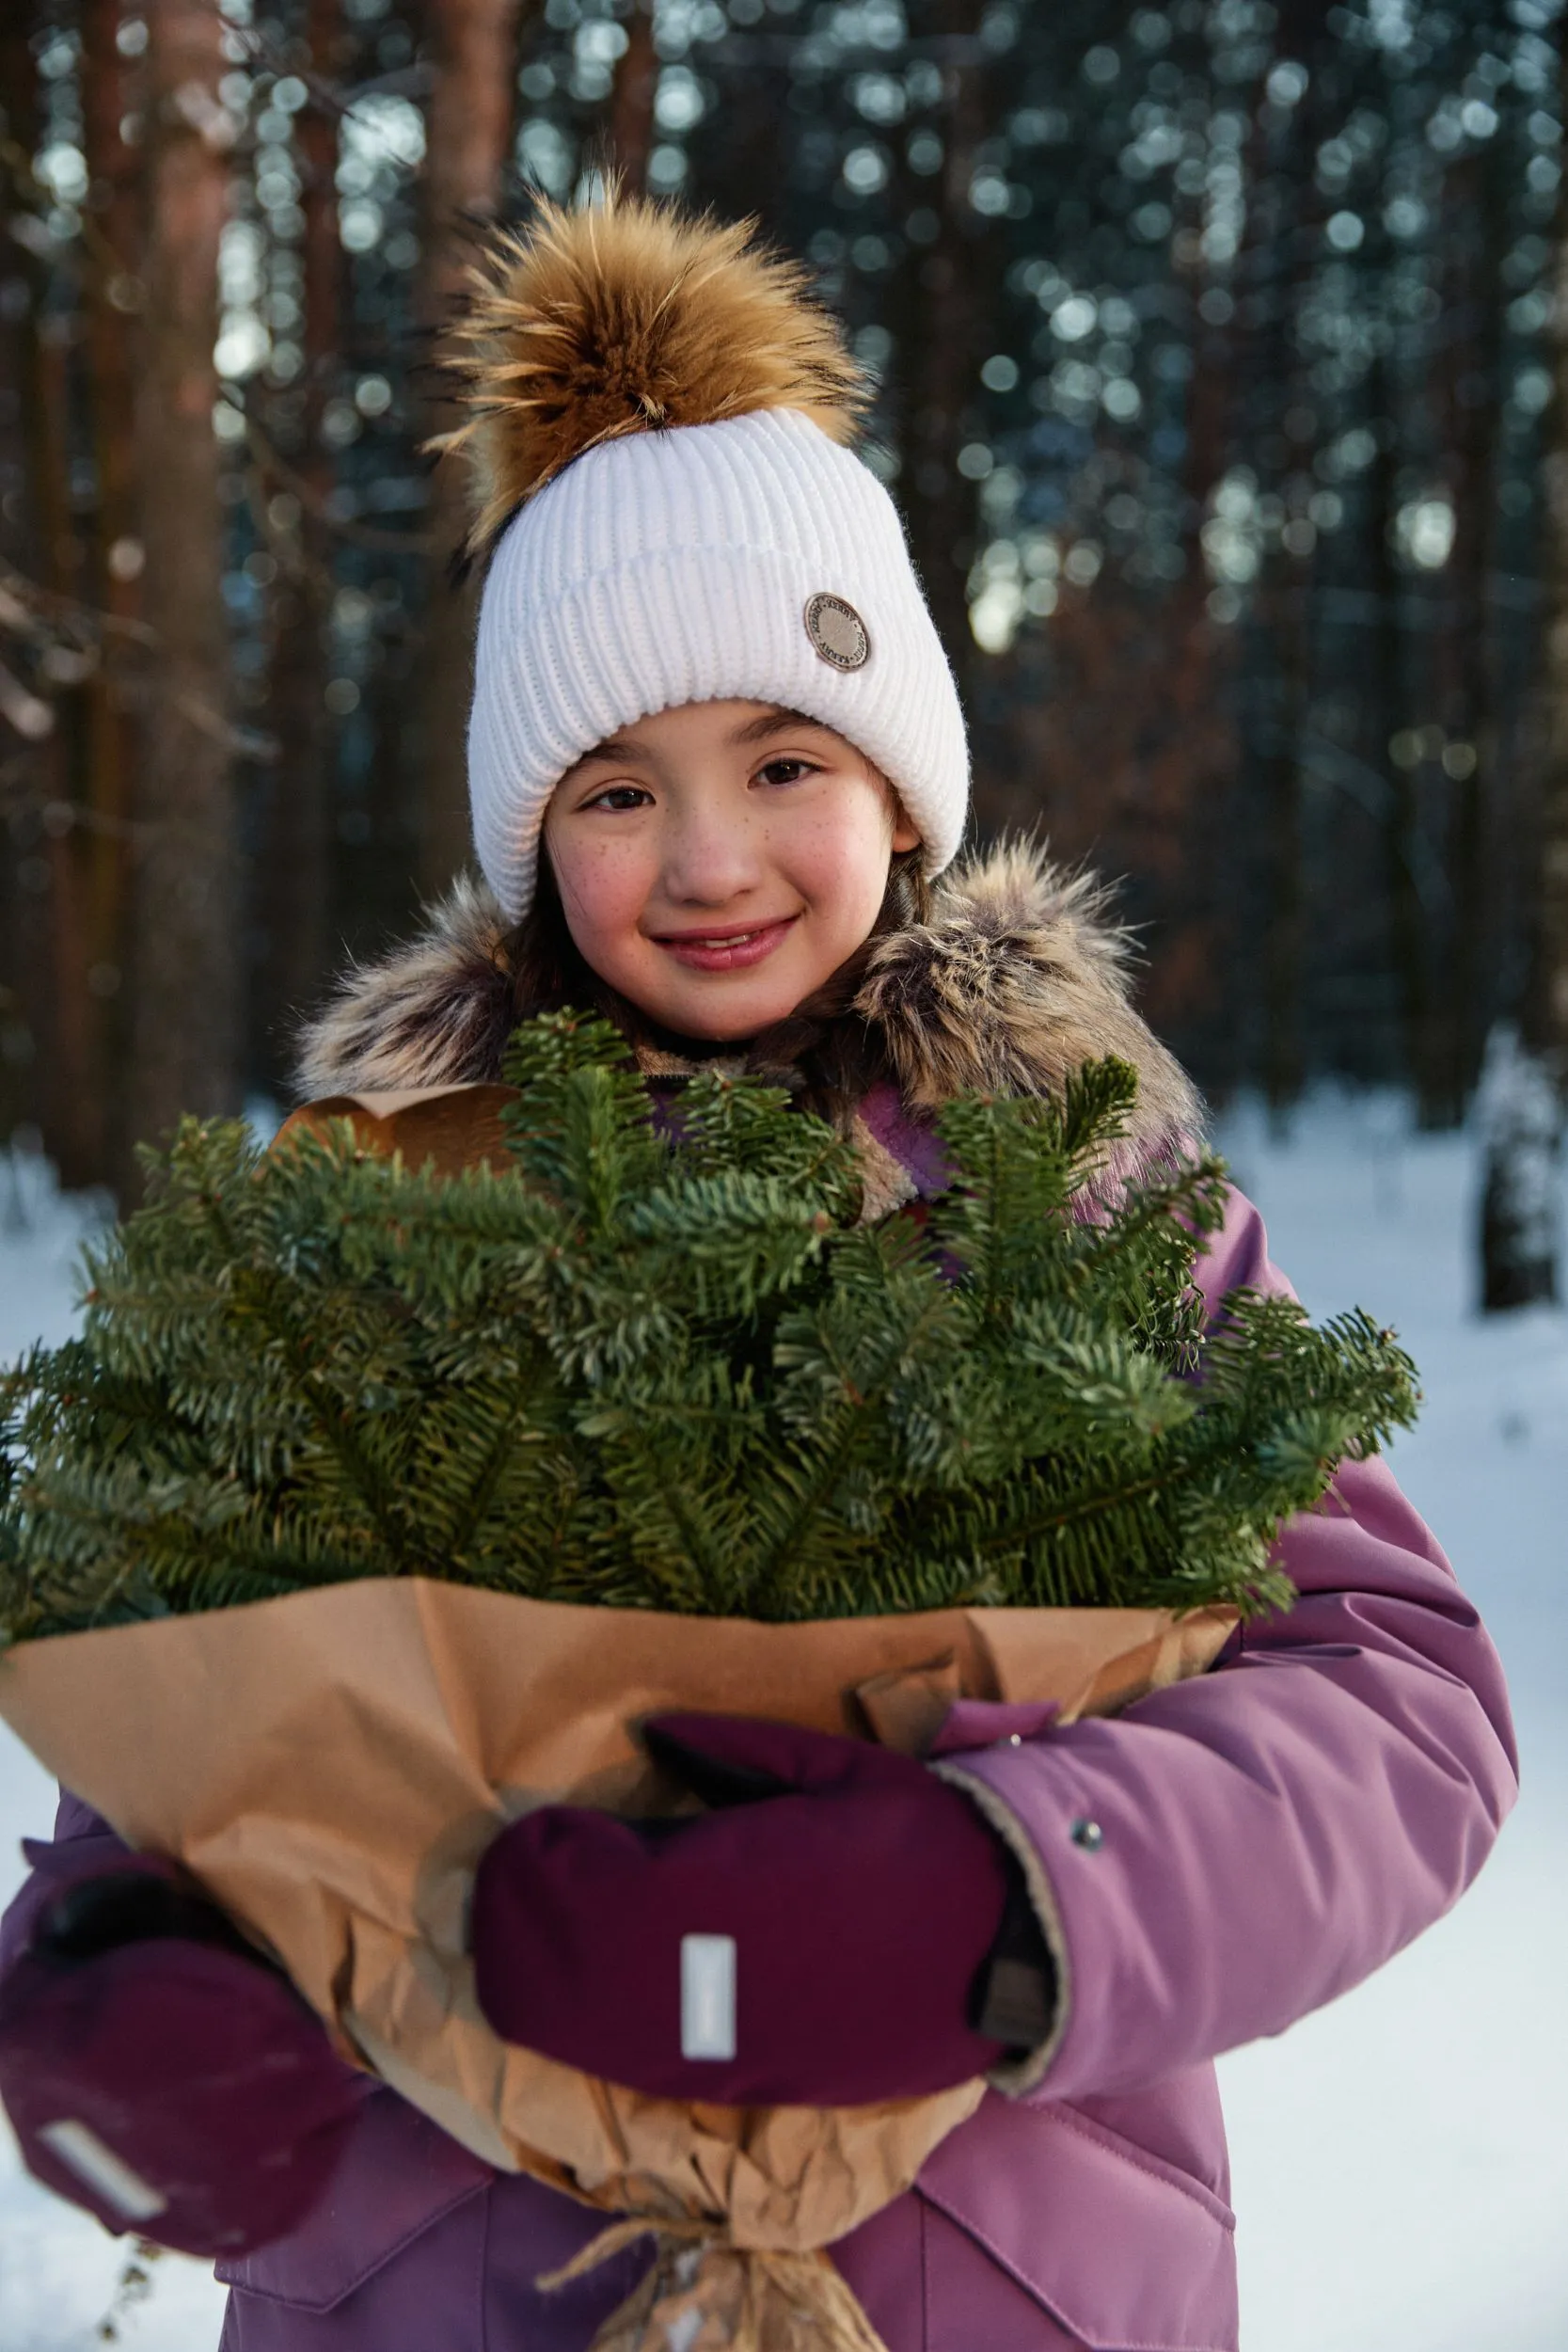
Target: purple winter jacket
(1263, 1837)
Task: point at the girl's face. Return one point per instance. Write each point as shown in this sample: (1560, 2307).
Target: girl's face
(717, 863)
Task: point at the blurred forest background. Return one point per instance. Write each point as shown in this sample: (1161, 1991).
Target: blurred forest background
(1219, 348)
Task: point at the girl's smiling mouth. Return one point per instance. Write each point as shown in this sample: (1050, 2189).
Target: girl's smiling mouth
(728, 948)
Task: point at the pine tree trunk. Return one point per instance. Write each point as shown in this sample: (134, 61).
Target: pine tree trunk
(24, 909)
(1463, 643)
(112, 296)
(1519, 1226)
(184, 959)
(1521, 1093)
(294, 864)
(938, 356)
(50, 986)
(1546, 1008)
(1389, 706)
(473, 48)
(631, 102)
(1520, 1126)
(1273, 262)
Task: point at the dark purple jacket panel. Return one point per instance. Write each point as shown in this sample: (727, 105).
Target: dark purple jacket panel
(1269, 1834)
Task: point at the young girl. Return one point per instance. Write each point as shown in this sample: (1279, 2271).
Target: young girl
(717, 765)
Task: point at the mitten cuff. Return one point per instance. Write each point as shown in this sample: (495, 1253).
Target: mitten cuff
(1046, 2005)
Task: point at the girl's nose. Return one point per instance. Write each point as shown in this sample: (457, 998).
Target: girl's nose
(710, 859)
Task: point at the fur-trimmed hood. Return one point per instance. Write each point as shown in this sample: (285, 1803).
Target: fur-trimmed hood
(1020, 975)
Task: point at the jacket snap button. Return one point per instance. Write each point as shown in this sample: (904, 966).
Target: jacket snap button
(1088, 1835)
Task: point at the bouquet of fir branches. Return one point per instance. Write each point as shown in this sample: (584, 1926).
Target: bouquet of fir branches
(669, 1371)
(376, 1504)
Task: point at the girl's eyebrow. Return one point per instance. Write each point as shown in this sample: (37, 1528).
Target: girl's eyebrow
(758, 730)
(775, 722)
(618, 746)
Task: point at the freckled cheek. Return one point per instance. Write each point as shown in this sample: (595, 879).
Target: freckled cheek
(603, 892)
(840, 868)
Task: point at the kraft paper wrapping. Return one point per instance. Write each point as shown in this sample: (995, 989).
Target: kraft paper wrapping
(330, 1766)
(447, 1128)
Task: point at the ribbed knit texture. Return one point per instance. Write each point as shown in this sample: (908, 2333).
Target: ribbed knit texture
(674, 567)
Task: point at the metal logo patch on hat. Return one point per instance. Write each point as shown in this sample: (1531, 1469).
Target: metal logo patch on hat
(837, 633)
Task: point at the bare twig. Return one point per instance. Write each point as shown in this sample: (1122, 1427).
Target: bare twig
(133, 2286)
(20, 165)
(271, 461)
(30, 716)
(26, 601)
(19, 796)
(413, 81)
(246, 743)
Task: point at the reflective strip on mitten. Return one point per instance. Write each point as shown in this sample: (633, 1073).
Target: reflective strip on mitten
(173, 2087)
(821, 1937)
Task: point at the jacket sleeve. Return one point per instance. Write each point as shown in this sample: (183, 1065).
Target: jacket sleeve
(1230, 1853)
(84, 1847)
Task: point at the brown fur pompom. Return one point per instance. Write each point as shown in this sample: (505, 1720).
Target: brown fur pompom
(623, 317)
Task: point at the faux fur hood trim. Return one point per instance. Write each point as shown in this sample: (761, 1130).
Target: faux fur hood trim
(1020, 975)
(435, 1011)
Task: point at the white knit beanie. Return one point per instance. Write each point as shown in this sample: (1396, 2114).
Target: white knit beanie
(638, 561)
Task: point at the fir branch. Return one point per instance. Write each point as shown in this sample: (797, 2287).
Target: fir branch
(258, 1290)
(657, 1364)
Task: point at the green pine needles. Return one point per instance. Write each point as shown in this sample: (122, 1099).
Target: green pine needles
(669, 1371)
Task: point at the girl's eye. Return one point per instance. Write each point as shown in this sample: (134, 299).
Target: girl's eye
(787, 770)
(618, 797)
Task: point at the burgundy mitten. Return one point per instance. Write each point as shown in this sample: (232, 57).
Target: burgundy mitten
(157, 2071)
(818, 1939)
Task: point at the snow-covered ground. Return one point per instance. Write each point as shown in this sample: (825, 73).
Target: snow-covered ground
(60, 2272)
(1401, 2160)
